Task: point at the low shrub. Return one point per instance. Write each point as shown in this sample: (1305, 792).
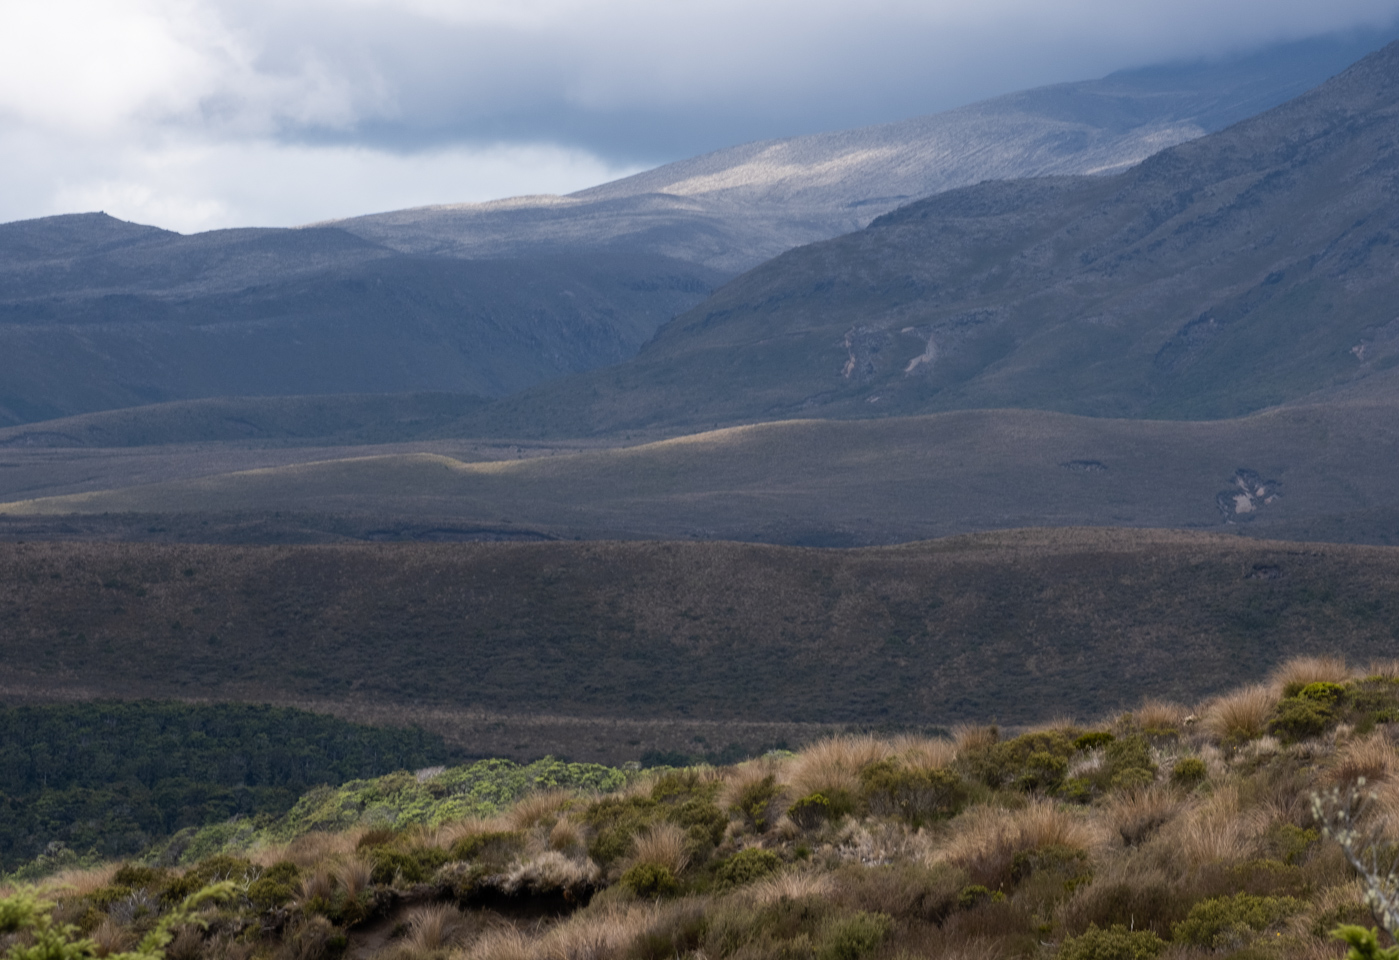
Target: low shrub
(495, 847)
(812, 810)
(393, 865)
(852, 937)
(755, 802)
(746, 866)
(651, 880)
(1115, 943)
(915, 795)
(275, 886)
(1189, 772)
(1092, 740)
(1231, 921)
(1309, 712)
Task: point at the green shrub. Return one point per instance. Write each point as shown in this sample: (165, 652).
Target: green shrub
(974, 894)
(415, 865)
(915, 795)
(754, 803)
(1308, 712)
(852, 937)
(811, 811)
(1230, 921)
(1127, 762)
(1093, 739)
(651, 880)
(497, 848)
(276, 885)
(1189, 772)
(1043, 771)
(1010, 761)
(747, 866)
(1114, 943)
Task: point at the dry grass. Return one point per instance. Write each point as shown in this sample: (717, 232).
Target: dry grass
(662, 844)
(1300, 671)
(313, 849)
(79, 882)
(834, 765)
(111, 937)
(435, 928)
(924, 753)
(566, 836)
(1161, 715)
(317, 883)
(972, 737)
(538, 807)
(355, 875)
(1242, 715)
(448, 834)
(1135, 815)
(791, 885)
(1220, 829)
(594, 935)
(984, 840)
(551, 871)
(1372, 758)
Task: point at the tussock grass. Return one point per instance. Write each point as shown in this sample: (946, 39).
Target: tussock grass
(1242, 715)
(701, 862)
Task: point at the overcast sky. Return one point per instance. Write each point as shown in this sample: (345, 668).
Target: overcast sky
(194, 114)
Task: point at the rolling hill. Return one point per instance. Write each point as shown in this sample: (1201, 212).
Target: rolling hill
(1323, 472)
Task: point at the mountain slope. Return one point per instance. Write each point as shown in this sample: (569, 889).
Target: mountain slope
(97, 314)
(734, 208)
(1234, 272)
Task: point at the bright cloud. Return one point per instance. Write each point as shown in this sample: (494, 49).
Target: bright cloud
(197, 113)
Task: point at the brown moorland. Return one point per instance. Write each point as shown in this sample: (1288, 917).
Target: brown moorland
(1015, 626)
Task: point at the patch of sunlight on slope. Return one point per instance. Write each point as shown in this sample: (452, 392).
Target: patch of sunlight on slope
(417, 473)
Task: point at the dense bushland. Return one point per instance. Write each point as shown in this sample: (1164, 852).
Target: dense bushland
(110, 778)
(1168, 831)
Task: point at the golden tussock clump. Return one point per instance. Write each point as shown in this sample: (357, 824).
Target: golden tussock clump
(924, 753)
(661, 845)
(834, 765)
(1242, 715)
(535, 808)
(1301, 671)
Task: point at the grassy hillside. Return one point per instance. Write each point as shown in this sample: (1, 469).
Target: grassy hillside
(1017, 626)
(842, 482)
(1172, 831)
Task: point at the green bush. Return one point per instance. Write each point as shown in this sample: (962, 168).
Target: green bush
(747, 866)
(1308, 712)
(1230, 921)
(415, 865)
(1114, 943)
(754, 803)
(1093, 739)
(276, 885)
(1189, 772)
(915, 795)
(498, 847)
(651, 880)
(811, 811)
(852, 937)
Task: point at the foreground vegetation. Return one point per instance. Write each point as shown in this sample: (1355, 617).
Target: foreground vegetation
(1169, 831)
(108, 779)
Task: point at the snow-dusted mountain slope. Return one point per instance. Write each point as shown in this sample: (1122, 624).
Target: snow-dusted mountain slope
(734, 208)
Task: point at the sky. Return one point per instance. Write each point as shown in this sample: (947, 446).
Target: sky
(201, 114)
